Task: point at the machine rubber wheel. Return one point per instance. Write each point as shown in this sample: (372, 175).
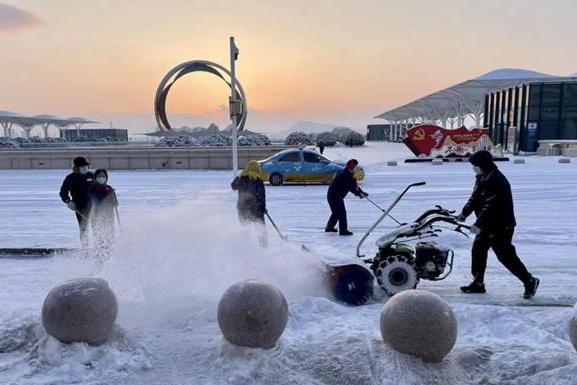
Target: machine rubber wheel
(276, 179)
(352, 284)
(396, 274)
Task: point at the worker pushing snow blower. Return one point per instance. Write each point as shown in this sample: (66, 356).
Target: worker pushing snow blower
(397, 265)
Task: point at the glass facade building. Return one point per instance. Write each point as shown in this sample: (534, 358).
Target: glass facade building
(110, 134)
(378, 132)
(518, 117)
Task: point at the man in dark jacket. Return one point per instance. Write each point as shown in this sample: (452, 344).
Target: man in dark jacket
(492, 203)
(74, 192)
(343, 183)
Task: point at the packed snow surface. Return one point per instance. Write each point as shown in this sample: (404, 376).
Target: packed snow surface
(181, 247)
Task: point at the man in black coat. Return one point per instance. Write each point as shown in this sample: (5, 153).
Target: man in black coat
(492, 203)
(343, 183)
(74, 192)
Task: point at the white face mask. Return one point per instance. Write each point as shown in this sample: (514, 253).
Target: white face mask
(83, 169)
(101, 180)
(477, 170)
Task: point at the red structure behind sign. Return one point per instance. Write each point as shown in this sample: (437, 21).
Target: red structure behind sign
(434, 141)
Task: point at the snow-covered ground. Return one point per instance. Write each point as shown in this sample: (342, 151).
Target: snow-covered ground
(181, 247)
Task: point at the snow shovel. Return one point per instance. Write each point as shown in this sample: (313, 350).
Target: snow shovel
(383, 210)
(81, 215)
(283, 237)
(118, 219)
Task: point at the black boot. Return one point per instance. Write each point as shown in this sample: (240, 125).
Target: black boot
(474, 288)
(531, 288)
(330, 230)
(345, 232)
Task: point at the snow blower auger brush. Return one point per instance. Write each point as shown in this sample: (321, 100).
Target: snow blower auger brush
(399, 266)
(351, 283)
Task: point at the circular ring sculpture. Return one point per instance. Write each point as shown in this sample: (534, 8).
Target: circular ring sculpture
(194, 66)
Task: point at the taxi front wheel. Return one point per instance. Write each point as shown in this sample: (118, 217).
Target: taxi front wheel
(276, 179)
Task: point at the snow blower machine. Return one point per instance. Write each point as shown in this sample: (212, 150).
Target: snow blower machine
(398, 265)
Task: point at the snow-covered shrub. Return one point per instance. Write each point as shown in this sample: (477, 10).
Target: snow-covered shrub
(20, 140)
(298, 138)
(327, 138)
(217, 140)
(8, 143)
(252, 139)
(341, 132)
(353, 138)
(178, 141)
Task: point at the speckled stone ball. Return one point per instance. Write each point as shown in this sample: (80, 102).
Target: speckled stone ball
(80, 310)
(573, 331)
(252, 313)
(419, 323)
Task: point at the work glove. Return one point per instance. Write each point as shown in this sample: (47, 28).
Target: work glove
(475, 230)
(71, 205)
(461, 218)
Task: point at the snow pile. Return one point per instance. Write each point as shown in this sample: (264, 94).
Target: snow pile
(36, 353)
(299, 138)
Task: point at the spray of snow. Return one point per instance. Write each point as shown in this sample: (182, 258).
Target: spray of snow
(197, 249)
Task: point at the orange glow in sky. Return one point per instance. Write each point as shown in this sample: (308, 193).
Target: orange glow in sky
(297, 58)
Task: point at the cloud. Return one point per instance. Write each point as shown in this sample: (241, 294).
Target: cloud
(15, 19)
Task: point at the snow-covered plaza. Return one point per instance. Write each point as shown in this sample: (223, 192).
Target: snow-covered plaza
(180, 247)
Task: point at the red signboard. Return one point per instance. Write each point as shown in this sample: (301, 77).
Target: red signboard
(433, 141)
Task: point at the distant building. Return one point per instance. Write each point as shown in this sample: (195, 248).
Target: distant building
(387, 132)
(521, 115)
(378, 132)
(95, 134)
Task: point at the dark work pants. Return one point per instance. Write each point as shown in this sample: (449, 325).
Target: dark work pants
(504, 250)
(338, 214)
(83, 226)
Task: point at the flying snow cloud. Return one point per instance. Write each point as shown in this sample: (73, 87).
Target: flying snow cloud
(15, 19)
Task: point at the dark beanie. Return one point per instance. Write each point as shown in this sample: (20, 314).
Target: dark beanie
(352, 162)
(482, 159)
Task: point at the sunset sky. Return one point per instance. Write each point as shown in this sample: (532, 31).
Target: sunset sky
(336, 61)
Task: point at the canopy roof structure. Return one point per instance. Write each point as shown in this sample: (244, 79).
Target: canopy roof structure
(453, 104)
(27, 123)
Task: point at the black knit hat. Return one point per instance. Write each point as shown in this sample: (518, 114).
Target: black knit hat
(483, 159)
(80, 162)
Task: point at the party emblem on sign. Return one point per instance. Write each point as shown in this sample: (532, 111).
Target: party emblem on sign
(419, 134)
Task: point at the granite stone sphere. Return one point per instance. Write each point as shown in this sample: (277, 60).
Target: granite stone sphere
(252, 313)
(573, 331)
(80, 310)
(419, 323)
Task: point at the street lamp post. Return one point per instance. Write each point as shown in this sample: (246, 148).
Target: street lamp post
(235, 105)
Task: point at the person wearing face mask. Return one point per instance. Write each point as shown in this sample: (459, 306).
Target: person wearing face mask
(73, 193)
(492, 203)
(102, 204)
(343, 183)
